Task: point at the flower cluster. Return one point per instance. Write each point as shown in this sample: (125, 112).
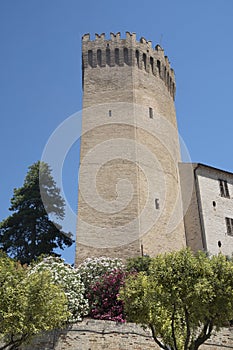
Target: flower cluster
(103, 297)
(93, 268)
(70, 280)
(103, 278)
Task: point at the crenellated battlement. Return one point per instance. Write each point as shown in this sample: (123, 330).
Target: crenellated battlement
(117, 51)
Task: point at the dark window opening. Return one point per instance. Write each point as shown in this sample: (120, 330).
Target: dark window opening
(117, 56)
(137, 57)
(165, 75)
(152, 64)
(109, 113)
(151, 112)
(159, 66)
(219, 244)
(224, 191)
(229, 225)
(90, 57)
(170, 83)
(144, 60)
(156, 203)
(99, 57)
(126, 56)
(214, 204)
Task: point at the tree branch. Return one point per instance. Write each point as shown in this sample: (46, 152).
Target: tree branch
(156, 339)
(187, 329)
(204, 335)
(173, 327)
(14, 344)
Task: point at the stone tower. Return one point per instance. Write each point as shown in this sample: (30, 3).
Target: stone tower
(129, 193)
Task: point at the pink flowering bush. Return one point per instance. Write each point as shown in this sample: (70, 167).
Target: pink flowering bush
(103, 296)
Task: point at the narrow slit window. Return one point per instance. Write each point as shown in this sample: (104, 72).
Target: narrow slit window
(90, 57)
(165, 75)
(126, 56)
(168, 80)
(109, 113)
(144, 60)
(137, 57)
(159, 66)
(99, 58)
(151, 112)
(152, 64)
(117, 56)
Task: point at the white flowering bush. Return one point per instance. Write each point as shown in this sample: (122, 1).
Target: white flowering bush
(70, 281)
(93, 268)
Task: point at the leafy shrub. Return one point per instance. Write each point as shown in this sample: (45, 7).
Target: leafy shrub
(70, 280)
(139, 264)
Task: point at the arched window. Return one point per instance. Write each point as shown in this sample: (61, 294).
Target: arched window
(117, 56)
(99, 57)
(165, 75)
(108, 56)
(126, 56)
(159, 66)
(90, 57)
(144, 60)
(152, 64)
(168, 80)
(137, 57)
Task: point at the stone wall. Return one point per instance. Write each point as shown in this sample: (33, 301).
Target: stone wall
(129, 186)
(97, 335)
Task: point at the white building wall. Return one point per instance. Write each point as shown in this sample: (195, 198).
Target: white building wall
(214, 208)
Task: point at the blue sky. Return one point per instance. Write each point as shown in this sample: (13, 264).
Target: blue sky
(40, 75)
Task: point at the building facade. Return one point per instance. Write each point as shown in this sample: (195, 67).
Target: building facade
(209, 218)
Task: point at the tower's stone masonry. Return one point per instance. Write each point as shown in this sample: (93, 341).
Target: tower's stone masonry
(129, 192)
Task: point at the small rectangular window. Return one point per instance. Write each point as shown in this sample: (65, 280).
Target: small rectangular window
(224, 191)
(150, 112)
(109, 113)
(229, 225)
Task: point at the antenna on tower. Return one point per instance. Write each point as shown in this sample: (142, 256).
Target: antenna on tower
(160, 40)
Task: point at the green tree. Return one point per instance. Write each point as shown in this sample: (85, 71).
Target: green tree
(183, 298)
(30, 303)
(30, 231)
(138, 264)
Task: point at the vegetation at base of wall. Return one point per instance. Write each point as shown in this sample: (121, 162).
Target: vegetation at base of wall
(29, 303)
(69, 280)
(93, 268)
(103, 278)
(139, 264)
(182, 299)
(103, 297)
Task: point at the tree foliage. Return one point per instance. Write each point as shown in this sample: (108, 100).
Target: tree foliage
(138, 264)
(29, 231)
(183, 298)
(29, 304)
